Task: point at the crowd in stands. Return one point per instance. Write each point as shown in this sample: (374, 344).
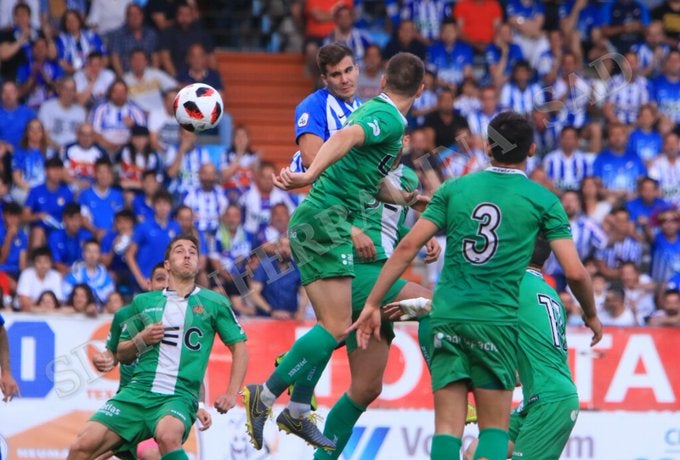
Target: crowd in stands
(96, 176)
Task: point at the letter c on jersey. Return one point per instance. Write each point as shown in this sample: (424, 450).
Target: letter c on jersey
(187, 339)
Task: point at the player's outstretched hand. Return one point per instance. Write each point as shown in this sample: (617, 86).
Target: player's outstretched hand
(407, 309)
(432, 250)
(225, 402)
(366, 325)
(204, 418)
(289, 180)
(104, 361)
(8, 386)
(596, 326)
(419, 203)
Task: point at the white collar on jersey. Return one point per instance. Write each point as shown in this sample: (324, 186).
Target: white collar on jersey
(499, 170)
(172, 293)
(387, 99)
(535, 272)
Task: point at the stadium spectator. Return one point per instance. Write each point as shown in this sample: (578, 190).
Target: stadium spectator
(66, 244)
(646, 205)
(368, 82)
(131, 36)
(182, 163)
(7, 10)
(162, 124)
(101, 201)
(665, 169)
(639, 292)
(45, 203)
(150, 239)
(618, 168)
(37, 77)
(478, 120)
(80, 158)
(477, 20)
(176, 40)
(142, 204)
(106, 16)
(520, 94)
(134, 159)
(593, 198)
(15, 41)
(445, 121)
(61, 116)
(567, 166)
(467, 100)
(38, 278)
(451, 57)
(653, 52)
(345, 32)
(526, 18)
(114, 247)
(146, 83)
(115, 303)
(230, 255)
(669, 311)
(625, 20)
(600, 286)
(546, 132)
(275, 229)
(162, 13)
(501, 55)
(113, 120)
(666, 247)
(13, 242)
(645, 140)
(81, 300)
(427, 101)
(28, 161)
(14, 117)
(622, 244)
(47, 303)
(427, 15)
(93, 80)
(406, 40)
(76, 42)
(666, 88)
(207, 201)
(91, 272)
(580, 21)
(276, 287)
(668, 13)
(184, 216)
(627, 93)
(615, 312)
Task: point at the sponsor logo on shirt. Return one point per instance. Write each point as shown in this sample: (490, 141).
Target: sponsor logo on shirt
(303, 120)
(375, 127)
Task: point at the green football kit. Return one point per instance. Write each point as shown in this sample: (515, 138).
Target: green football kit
(491, 219)
(320, 228)
(541, 424)
(119, 318)
(168, 375)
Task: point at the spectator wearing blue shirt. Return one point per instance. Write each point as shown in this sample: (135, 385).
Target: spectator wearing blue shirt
(580, 20)
(92, 272)
(114, 245)
(28, 161)
(501, 56)
(451, 57)
(345, 32)
(276, 287)
(526, 18)
(666, 88)
(150, 239)
(101, 201)
(67, 243)
(14, 241)
(646, 205)
(142, 204)
(45, 203)
(76, 42)
(13, 116)
(406, 40)
(519, 94)
(618, 168)
(666, 248)
(427, 15)
(37, 78)
(653, 52)
(624, 21)
(646, 141)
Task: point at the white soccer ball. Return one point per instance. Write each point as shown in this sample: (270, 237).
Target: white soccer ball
(198, 107)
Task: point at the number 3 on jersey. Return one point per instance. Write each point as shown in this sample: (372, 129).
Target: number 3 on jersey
(488, 217)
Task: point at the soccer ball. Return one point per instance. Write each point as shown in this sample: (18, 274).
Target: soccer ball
(198, 107)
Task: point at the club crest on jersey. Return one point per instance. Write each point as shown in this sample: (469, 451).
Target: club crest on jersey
(198, 309)
(303, 120)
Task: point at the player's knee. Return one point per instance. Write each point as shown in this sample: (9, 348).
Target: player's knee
(168, 440)
(81, 448)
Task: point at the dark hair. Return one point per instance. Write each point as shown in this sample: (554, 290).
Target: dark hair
(71, 209)
(644, 179)
(125, 214)
(137, 130)
(404, 74)
(182, 207)
(149, 172)
(158, 266)
(49, 293)
(54, 162)
(161, 195)
(11, 208)
(92, 241)
(94, 55)
(332, 54)
(185, 237)
(541, 251)
(632, 264)
(88, 293)
(668, 292)
(21, 6)
(265, 164)
(617, 289)
(569, 128)
(103, 161)
(40, 252)
(523, 64)
(24, 137)
(81, 22)
(117, 81)
(510, 137)
(137, 50)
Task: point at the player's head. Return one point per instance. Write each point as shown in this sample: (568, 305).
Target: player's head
(541, 252)
(339, 70)
(159, 277)
(404, 75)
(181, 257)
(510, 138)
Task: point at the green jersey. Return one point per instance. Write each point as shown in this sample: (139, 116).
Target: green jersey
(119, 318)
(382, 222)
(542, 357)
(353, 180)
(177, 364)
(491, 219)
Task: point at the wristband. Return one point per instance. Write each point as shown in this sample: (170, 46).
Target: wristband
(140, 344)
(201, 405)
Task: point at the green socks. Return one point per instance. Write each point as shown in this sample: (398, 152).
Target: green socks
(178, 454)
(339, 426)
(305, 361)
(493, 444)
(445, 447)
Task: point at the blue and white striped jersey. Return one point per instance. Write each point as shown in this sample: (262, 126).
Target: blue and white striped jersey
(627, 97)
(478, 122)
(207, 205)
(667, 173)
(521, 100)
(588, 237)
(628, 250)
(646, 58)
(567, 172)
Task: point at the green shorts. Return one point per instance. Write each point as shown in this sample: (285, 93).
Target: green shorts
(542, 429)
(364, 280)
(321, 242)
(133, 414)
(484, 355)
